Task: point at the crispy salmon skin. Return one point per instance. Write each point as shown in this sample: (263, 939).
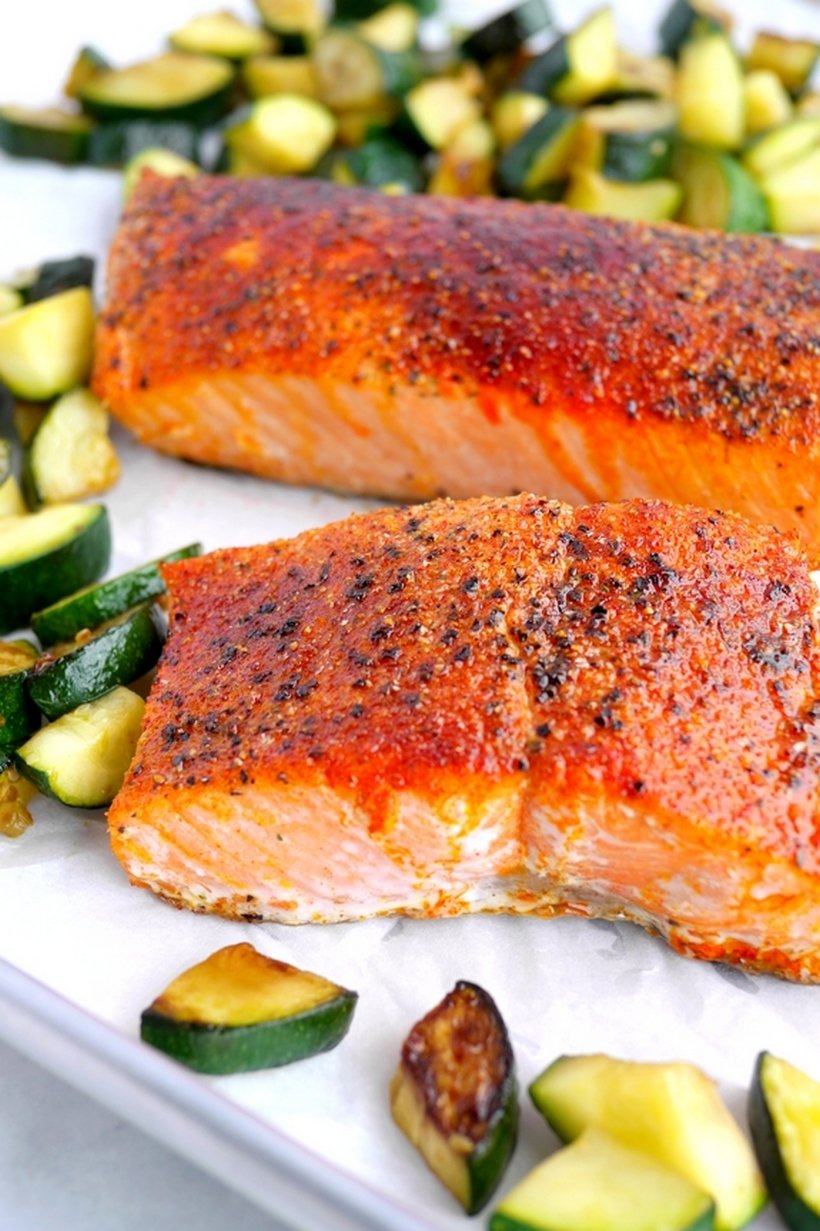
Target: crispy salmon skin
(501, 704)
(418, 346)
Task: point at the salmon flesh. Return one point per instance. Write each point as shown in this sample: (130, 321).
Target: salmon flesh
(412, 347)
(503, 704)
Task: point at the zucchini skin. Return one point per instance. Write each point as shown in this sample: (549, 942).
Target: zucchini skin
(241, 1049)
(792, 1208)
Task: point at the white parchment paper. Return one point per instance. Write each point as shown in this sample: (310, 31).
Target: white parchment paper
(67, 914)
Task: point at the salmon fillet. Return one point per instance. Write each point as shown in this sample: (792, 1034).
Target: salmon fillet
(496, 705)
(411, 347)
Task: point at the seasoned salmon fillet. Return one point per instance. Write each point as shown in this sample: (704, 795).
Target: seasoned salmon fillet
(493, 705)
(411, 347)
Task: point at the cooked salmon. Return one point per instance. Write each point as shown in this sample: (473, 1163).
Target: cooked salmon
(505, 704)
(411, 347)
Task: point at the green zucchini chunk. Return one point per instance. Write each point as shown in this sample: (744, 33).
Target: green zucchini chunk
(296, 23)
(351, 72)
(114, 144)
(542, 155)
(792, 59)
(119, 652)
(649, 201)
(671, 1112)
(266, 75)
(161, 162)
(435, 110)
(711, 94)
(377, 162)
(15, 795)
(285, 134)
(358, 10)
(508, 32)
(513, 113)
(70, 455)
(174, 86)
(686, 18)
(455, 1094)
(86, 64)
(238, 1011)
(577, 67)
(784, 1118)
(792, 195)
(393, 28)
(53, 277)
(46, 348)
(81, 759)
(768, 104)
(782, 146)
(93, 605)
(597, 1184)
(44, 132)
(631, 141)
(719, 193)
(222, 34)
(18, 713)
(46, 555)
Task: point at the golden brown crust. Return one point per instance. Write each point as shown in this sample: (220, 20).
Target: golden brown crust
(541, 304)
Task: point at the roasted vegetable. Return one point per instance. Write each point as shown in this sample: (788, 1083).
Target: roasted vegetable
(455, 1094)
(784, 1118)
(18, 714)
(70, 455)
(46, 347)
(239, 1010)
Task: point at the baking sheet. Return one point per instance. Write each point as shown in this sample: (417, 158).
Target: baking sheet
(318, 1137)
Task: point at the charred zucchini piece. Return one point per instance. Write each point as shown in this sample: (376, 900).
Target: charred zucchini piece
(353, 73)
(118, 652)
(15, 795)
(296, 23)
(18, 714)
(117, 143)
(792, 59)
(768, 104)
(239, 1011)
(161, 162)
(81, 758)
(650, 201)
(792, 195)
(542, 156)
(629, 141)
(222, 34)
(597, 1184)
(70, 455)
(285, 134)
(46, 555)
(393, 28)
(455, 1094)
(44, 132)
(671, 1112)
(578, 66)
(87, 63)
(174, 86)
(436, 109)
(784, 1118)
(687, 18)
(266, 75)
(719, 193)
(93, 605)
(711, 96)
(784, 145)
(46, 347)
(508, 32)
(53, 277)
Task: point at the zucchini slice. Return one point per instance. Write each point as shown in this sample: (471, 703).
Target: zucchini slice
(785, 145)
(296, 23)
(393, 28)
(46, 555)
(436, 109)
(222, 34)
(687, 18)
(650, 201)
(353, 73)
(578, 66)
(116, 143)
(377, 162)
(81, 759)
(118, 652)
(161, 162)
(542, 156)
(792, 59)
(18, 714)
(70, 455)
(671, 1112)
(16, 794)
(506, 34)
(768, 104)
(513, 114)
(44, 132)
(285, 134)
(174, 86)
(784, 1118)
(265, 75)
(46, 348)
(93, 605)
(711, 96)
(640, 76)
(52, 277)
(87, 63)
(239, 1011)
(792, 195)
(719, 193)
(597, 1184)
(632, 140)
(455, 1094)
